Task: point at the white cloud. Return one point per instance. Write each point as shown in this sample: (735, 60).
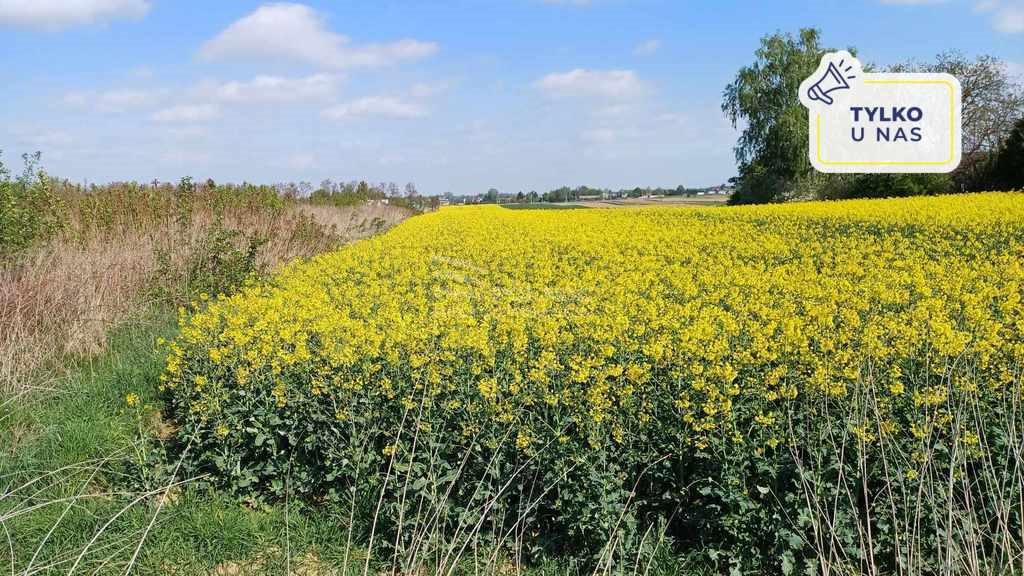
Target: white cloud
(187, 113)
(43, 138)
(375, 106)
(647, 47)
(141, 73)
(272, 89)
(1007, 15)
(77, 99)
(298, 33)
(672, 118)
(188, 132)
(428, 89)
(179, 157)
(613, 111)
(604, 83)
(111, 101)
(599, 136)
(1010, 18)
(56, 14)
(301, 161)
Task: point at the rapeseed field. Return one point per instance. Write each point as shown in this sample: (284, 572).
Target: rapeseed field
(814, 380)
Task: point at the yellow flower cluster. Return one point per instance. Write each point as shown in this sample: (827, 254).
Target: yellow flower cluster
(604, 321)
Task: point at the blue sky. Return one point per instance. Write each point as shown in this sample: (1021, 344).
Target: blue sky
(453, 95)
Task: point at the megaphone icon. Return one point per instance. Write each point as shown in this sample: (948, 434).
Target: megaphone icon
(833, 79)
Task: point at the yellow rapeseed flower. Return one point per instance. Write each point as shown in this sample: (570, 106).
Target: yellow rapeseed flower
(706, 319)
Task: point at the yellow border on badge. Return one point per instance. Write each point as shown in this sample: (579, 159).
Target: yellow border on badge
(952, 120)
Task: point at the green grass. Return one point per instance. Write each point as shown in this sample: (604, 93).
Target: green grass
(73, 466)
(89, 434)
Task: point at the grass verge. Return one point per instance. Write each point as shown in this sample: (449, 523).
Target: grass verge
(69, 498)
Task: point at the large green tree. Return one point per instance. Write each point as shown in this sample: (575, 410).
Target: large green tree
(772, 150)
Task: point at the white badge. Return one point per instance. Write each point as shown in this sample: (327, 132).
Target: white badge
(880, 123)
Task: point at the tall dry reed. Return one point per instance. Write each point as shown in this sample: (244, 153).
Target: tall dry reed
(59, 299)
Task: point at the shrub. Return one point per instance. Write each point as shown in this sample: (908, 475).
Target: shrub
(1008, 167)
(898, 185)
(792, 387)
(29, 211)
(218, 262)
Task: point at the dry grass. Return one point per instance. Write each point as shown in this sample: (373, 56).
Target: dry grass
(59, 300)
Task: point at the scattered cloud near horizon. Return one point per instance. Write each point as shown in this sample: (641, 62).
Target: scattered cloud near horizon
(51, 138)
(114, 101)
(375, 106)
(273, 89)
(569, 2)
(913, 2)
(59, 14)
(601, 83)
(1007, 15)
(187, 114)
(647, 47)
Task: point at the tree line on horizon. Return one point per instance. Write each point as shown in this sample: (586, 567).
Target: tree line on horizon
(570, 194)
